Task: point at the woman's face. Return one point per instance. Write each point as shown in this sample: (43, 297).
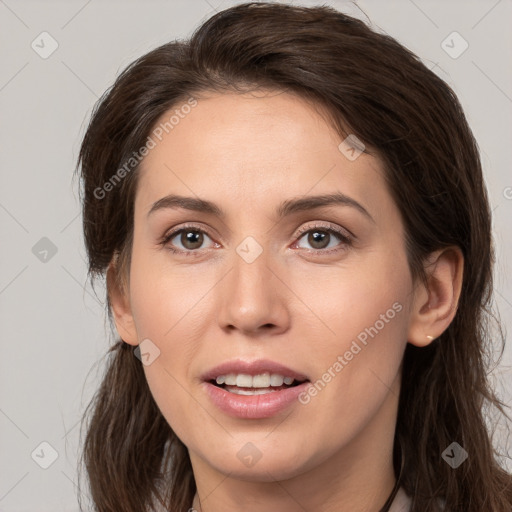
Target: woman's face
(271, 281)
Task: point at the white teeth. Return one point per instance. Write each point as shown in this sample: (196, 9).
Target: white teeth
(262, 380)
(276, 380)
(244, 381)
(230, 379)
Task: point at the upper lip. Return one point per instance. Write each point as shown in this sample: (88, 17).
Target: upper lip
(256, 367)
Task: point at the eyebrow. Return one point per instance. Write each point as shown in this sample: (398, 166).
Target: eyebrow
(286, 208)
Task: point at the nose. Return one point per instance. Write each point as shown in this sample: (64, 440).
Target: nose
(254, 297)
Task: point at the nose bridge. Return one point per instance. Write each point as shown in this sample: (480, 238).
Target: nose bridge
(252, 297)
(251, 279)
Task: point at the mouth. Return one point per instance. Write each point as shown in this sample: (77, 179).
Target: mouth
(252, 390)
(260, 384)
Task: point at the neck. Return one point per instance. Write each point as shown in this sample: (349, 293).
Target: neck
(282, 499)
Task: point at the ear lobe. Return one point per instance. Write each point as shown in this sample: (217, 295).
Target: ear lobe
(435, 305)
(120, 306)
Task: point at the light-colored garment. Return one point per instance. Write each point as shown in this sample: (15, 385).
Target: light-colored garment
(401, 503)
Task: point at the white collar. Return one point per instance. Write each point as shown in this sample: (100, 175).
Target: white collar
(401, 503)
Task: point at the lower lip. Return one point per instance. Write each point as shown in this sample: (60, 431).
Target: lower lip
(254, 406)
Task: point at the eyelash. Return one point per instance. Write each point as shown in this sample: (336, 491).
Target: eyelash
(345, 239)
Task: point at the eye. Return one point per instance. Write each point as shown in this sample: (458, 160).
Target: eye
(322, 238)
(191, 239)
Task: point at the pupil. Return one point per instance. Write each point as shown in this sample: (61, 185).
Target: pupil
(192, 237)
(317, 238)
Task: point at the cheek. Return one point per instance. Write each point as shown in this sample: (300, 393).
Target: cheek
(166, 297)
(360, 302)
(168, 305)
(360, 337)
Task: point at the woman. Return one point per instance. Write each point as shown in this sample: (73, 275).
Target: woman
(290, 213)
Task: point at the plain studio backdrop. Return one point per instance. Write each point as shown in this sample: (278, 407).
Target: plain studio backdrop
(58, 57)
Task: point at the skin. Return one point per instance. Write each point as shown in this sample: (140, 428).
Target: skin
(295, 304)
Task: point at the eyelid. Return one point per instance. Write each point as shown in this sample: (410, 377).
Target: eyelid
(327, 226)
(170, 234)
(345, 237)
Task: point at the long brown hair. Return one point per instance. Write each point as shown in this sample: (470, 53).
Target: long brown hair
(411, 119)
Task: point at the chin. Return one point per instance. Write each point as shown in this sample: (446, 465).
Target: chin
(267, 464)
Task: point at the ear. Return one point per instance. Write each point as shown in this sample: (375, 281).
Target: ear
(120, 304)
(434, 306)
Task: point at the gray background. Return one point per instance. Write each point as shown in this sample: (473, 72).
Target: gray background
(54, 331)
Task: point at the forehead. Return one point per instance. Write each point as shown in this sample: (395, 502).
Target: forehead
(251, 149)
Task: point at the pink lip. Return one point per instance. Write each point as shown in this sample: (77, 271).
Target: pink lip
(253, 406)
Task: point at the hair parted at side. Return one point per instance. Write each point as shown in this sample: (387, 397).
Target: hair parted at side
(408, 117)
